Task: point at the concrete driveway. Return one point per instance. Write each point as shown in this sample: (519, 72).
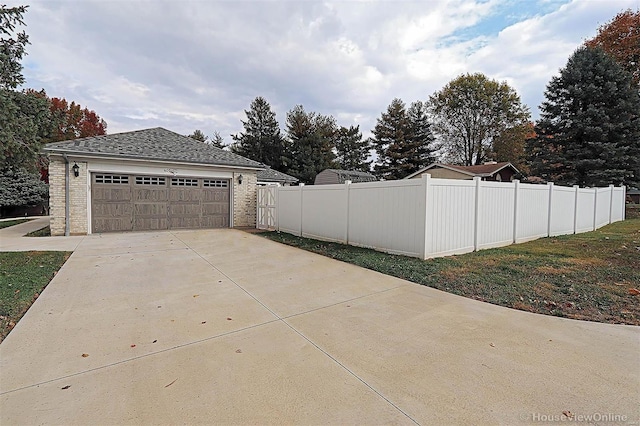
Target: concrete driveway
(226, 327)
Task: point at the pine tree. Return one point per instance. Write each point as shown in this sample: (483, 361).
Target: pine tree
(589, 130)
(388, 137)
(261, 140)
(217, 140)
(12, 48)
(419, 150)
(310, 144)
(403, 140)
(199, 136)
(352, 150)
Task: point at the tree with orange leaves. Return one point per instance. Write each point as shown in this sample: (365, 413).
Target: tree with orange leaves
(71, 121)
(620, 38)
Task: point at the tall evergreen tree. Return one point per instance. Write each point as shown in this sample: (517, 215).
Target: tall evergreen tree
(419, 150)
(261, 140)
(199, 136)
(25, 118)
(217, 140)
(12, 48)
(389, 135)
(352, 151)
(403, 140)
(589, 130)
(310, 144)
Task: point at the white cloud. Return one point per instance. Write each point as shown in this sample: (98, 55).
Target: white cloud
(188, 65)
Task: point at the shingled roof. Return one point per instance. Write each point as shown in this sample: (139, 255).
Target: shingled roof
(151, 144)
(482, 170)
(270, 175)
(341, 176)
(487, 169)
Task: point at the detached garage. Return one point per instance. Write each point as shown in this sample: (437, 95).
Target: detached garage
(148, 180)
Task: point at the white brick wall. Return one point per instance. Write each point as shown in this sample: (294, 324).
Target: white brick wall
(56, 195)
(244, 199)
(78, 207)
(77, 197)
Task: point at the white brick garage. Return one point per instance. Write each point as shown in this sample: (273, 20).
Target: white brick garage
(148, 180)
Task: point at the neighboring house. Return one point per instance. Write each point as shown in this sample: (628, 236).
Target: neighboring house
(501, 172)
(333, 176)
(634, 195)
(274, 177)
(148, 180)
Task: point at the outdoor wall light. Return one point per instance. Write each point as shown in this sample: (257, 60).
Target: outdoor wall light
(76, 169)
(239, 179)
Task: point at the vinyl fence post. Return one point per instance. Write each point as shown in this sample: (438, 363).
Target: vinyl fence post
(277, 204)
(611, 188)
(595, 207)
(347, 188)
(624, 201)
(476, 223)
(426, 183)
(301, 186)
(550, 209)
(516, 188)
(575, 209)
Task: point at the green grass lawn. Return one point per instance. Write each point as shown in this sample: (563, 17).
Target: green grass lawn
(590, 276)
(23, 276)
(42, 232)
(8, 223)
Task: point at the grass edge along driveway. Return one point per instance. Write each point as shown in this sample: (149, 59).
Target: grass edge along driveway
(23, 276)
(592, 276)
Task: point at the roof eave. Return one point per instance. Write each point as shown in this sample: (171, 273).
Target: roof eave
(108, 156)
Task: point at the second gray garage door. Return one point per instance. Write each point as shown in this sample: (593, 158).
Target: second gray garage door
(146, 203)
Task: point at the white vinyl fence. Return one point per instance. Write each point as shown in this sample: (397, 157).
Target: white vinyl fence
(437, 217)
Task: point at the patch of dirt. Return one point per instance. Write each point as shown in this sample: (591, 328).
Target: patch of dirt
(454, 273)
(579, 263)
(551, 270)
(545, 290)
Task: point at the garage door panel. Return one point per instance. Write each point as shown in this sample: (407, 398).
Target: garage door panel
(185, 195)
(215, 209)
(150, 210)
(151, 195)
(184, 209)
(150, 223)
(112, 209)
(141, 203)
(185, 222)
(214, 222)
(112, 194)
(112, 224)
(217, 195)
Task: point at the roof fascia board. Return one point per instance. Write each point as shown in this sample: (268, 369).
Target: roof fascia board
(422, 170)
(79, 154)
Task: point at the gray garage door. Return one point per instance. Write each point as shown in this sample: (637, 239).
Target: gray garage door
(146, 203)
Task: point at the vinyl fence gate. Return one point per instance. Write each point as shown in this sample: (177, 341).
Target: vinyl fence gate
(266, 217)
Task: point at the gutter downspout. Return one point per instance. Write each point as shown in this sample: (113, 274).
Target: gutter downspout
(66, 196)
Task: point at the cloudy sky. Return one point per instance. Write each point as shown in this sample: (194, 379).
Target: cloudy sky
(187, 65)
